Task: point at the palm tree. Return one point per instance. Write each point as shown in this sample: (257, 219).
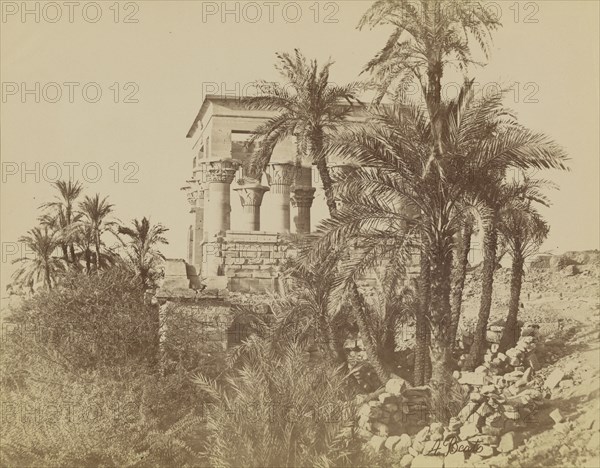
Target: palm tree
(479, 138)
(142, 248)
(309, 107)
(44, 266)
(459, 271)
(427, 36)
(96, 211)
(496, 194)
(56, 223)
(523, 230)
(63, 214)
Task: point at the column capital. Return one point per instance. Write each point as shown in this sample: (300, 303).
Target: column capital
(302, 196)
(222, 171)
(281, 173)
(251, 195)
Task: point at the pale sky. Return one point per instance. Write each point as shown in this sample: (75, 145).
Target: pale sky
(172, 54)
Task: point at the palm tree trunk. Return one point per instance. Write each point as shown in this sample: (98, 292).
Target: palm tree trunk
(460, 273)
(327, 187)
(65, 252)
(72, 250)
(88, 260)
(47, 277)
(97, 245)
(388, 342)
(441, 267)
(490, 244)
(422, 367)
(439, 307)
(509, 336)
(360, 312)
(315, 140)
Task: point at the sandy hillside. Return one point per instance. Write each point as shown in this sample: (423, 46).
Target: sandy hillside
(564, 301)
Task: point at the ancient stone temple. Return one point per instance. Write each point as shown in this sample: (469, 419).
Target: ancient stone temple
(235, 241)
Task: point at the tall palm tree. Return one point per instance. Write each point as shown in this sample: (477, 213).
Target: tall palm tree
(63, 214)
(428, 35)
(309, 107)
(380, 200)
(496, 194)
(144, 238)
(95, 212)
(462, 250)
(523, 230)
(44, 266)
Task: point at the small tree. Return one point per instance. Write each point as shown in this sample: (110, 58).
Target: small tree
(96, 212)
(44, 266)
(524, 230)
(142, 252)
(61, 215)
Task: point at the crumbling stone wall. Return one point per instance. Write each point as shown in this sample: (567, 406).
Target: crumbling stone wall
(251, 261)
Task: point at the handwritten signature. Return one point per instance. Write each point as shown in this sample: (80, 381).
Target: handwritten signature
(453, 444)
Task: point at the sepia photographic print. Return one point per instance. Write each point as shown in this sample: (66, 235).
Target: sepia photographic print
(312, 233)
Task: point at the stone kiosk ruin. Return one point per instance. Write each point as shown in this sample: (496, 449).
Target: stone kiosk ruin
(235, 242)
(236, 238)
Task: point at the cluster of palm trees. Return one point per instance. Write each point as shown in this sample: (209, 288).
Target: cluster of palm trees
(71, 238)
(427, 176)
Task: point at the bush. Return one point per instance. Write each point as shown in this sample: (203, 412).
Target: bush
(93, 419)
(91, 321)
(280, 409)
(80, 385)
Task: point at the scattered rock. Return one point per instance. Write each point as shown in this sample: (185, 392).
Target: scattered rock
(507, 442)
(468, 430)
(454, 460)
(594, 442)
(422, 434)
(564, 450)
(570, 270)
(554, 378)
(566, 383)
(376, 443)
(406, 461)
(472, 378)
(391, 442)
(403, 444)
(395, 386)
(556, 416)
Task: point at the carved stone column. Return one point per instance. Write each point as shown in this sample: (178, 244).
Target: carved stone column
(219, 175)
(198, 210)
(281, 177)
(217, 213)
(195, 194)
(302, 200)
(251, 197)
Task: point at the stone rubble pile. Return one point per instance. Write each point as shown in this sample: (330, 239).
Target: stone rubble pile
(502, 396)
(523, 355)
(391, 410)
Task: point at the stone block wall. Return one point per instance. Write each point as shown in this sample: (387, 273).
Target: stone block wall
(251, 261)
